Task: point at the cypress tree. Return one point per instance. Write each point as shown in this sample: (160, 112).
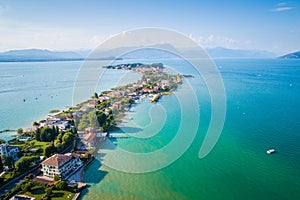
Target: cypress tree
(1, 165)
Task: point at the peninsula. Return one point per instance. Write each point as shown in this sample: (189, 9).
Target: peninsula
(75, 134)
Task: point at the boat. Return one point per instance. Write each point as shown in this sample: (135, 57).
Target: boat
(270, 151)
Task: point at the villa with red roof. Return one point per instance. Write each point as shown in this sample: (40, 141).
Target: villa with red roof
(61, 165)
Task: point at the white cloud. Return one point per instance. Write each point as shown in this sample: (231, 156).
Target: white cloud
(279, 9)
(283, 6)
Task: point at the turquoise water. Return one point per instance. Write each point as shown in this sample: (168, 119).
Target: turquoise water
(262, 112)
(44, 86)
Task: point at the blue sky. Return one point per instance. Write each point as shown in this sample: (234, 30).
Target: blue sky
(66, 25)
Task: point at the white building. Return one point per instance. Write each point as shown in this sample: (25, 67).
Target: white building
(6, 150)
(61, 165)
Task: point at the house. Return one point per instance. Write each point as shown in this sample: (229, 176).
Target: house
(89, 140)
(92, 104)
(62, 125)
(7, 150)
(90, 130)
(101, 136)
(61, 165)
(116, 105)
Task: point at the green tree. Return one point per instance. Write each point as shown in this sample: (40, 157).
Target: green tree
(1, 165)
(9, 162)
(88, 120)
(96, 95)
(59, 137)
(32, 143)
(35, 124)
(26, 186)
(68, 138)
(59, 147)
(57, 131)
(60, 185)
(20, 131)
(101, 117)
(24, 163)
(38, 134)
(48, 191)
(48, 150)
(56, 178)
(74, 144)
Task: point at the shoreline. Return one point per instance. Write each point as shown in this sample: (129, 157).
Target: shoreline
(110, 108)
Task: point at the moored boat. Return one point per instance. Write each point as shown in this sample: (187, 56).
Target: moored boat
(270, 151)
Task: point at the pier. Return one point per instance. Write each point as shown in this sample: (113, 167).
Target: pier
(118, 136)
(7, 130)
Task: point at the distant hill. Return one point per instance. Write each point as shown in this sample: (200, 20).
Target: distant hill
(38, 55)
(143, 52)
(294, 55)
(220, 52)
(154, 52)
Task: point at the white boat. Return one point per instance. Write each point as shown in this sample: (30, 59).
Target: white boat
(270, 151)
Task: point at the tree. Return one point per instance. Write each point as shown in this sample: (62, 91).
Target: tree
(56, 178)
(101, 117)
(38, 134)
(9, 161)
(68, 138)
(88, 120)
(59, 147)
(32, 143)
(20, 131)
(35, 124)
(1, 165)
(48, 150)
(74, 144)
(96, 95)
(48, 191)
(60, 185)
(57, 131)
(26, 186)
(24, 163)
(59, 137)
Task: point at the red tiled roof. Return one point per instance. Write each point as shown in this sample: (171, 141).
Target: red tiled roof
(74, 155)
(90, 137)
(56, 160)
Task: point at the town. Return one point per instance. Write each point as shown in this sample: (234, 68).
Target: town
(47, 158)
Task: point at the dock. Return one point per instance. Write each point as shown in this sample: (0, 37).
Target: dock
(7, 130)
(118, 136)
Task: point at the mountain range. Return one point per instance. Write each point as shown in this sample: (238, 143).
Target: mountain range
(38, 55)
(142, 52)
(294, 55)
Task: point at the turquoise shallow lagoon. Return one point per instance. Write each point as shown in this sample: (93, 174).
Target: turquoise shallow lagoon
(262, 112)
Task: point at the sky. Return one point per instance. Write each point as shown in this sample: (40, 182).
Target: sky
(269, 25)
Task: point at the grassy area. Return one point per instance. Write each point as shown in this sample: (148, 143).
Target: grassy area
(62, 195)
(54, 111)
(19, 144)
(38, 144)
(38, 192)
(8, 176)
